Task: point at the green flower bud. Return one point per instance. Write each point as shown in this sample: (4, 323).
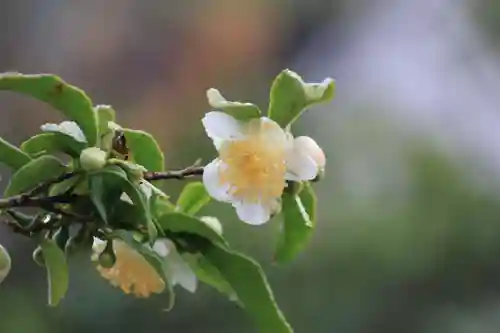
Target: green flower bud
(107, 258)
(93, 158)
(5, 263)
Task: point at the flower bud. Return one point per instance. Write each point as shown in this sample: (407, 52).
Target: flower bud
(107, 258)
(5, 263)
(93, 158)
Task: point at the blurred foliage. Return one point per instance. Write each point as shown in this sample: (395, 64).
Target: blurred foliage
(416, 258)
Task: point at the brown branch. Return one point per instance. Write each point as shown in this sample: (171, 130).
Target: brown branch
(188, 172)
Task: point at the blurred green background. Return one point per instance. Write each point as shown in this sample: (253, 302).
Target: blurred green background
(408, 237)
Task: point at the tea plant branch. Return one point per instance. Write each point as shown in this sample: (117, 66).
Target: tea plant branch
(189, 172)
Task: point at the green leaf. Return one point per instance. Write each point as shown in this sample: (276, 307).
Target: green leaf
(71, 101)
(105, 114)
(48, 143)
(247, 279)
(39, 170)
(153, 258)
(97, 195)
(238, 110)
(66, 185)
(161, 206)
(114, 173)
(145, 150)
(12, 156)
(179, 222)
(57, 271)
(291, 96)
(299, 218)
(192, 198)
(209, 274)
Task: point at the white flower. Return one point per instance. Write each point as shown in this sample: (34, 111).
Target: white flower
(177, 269)
(133, 273)
(69, 128)
(255, 160)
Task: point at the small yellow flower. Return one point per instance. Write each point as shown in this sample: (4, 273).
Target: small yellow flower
(131, 272)
(255, 160)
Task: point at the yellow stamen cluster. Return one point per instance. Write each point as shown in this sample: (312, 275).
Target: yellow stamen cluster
(254, 166)
(132, 273)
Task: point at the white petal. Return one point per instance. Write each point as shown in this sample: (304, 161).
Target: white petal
(221, 126)
(69, 128)
(212, 182)
(253, 213)
(300, 166)
(181, 273)
(98, 245)
(308, 146)
(161, 248)
(178, 270)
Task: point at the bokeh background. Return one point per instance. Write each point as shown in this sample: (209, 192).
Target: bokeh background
(408, 236)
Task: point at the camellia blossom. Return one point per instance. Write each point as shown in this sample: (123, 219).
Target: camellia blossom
(255, 160)
(132, 273)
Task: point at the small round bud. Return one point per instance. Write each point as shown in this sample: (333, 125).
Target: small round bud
(38, 256)
(5, 263)
(93, 158)
(107, 258)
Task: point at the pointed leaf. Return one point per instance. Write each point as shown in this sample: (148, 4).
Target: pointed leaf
(69, 128)
(57, 271)
(115, 173)
(12, 156)
(48, 143)
(153, 258)
(179, 222)
(39, 170)
(71, 101)
(247, 279)
(145, 150)
(291, 96)
(238, 110)
(105, 114)
(193, 197)
(209, 274)
(299, 221)
(97, 195)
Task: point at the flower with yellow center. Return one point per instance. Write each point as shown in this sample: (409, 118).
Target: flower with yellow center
(255, 160)
(132, 273)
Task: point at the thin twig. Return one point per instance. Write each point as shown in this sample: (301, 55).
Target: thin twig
(188, 172)
(24, 200)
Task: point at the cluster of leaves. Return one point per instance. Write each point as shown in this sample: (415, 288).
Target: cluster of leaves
(78, 198)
